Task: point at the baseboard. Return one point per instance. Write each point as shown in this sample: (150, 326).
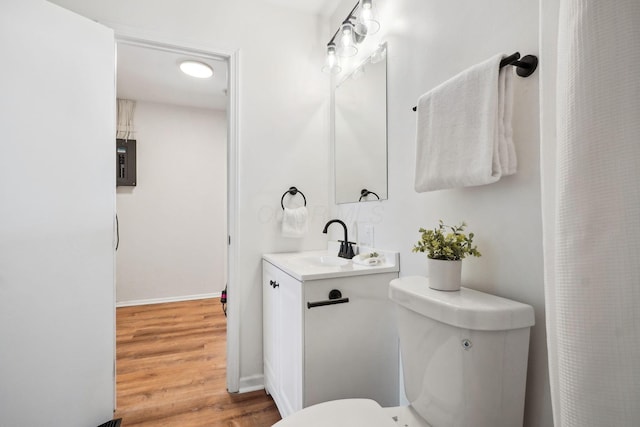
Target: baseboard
(167, 299)
(252, 383)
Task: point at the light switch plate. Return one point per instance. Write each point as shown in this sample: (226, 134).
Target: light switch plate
(365, 234)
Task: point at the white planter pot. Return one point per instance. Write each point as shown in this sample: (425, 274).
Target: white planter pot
(444, 275)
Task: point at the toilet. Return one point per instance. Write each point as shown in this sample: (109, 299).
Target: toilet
(464, 358)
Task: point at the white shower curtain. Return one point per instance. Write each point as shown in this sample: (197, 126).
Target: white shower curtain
(592, 260)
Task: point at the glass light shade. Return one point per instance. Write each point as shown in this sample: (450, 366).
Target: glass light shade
(196, 69)
(331, 64)
(367, 22)
(347, 45)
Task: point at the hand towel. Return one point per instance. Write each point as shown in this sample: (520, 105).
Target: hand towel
(294, 222)
(464, 134)
(367, 259)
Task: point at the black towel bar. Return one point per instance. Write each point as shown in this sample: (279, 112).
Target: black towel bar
(292, 191)
(524, 67)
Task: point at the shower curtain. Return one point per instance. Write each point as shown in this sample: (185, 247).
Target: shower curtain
(592, 246)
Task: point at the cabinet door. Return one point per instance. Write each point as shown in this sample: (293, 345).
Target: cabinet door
(351, 349)
(270, 329)
(291, 343)
(282, 338)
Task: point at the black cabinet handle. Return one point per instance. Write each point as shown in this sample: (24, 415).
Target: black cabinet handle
(327, 302)
(335, 297)
(274, 284)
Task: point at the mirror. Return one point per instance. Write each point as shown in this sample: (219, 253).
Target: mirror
(360, 120)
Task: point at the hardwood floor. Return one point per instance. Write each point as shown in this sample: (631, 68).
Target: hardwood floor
(171, 369)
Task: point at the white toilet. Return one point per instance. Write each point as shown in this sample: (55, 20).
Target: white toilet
(464, 357)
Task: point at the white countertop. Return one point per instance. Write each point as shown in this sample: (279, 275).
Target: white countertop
(298, 266)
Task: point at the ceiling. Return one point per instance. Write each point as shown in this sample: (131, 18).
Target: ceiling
(320, 7)
(153, 75)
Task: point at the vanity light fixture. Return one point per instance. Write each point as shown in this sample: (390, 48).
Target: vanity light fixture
(196, 69)
(351, 34)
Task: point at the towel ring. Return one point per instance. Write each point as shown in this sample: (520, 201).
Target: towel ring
(292, 191)
(364, 193)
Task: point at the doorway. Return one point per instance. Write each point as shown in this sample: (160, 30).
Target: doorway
(205, 265)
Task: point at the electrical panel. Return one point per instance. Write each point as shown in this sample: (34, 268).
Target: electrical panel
(125, 162)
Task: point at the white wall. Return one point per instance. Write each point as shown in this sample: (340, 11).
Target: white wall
(57, 206)
(173, 232)
(430, 41)
(283, 122)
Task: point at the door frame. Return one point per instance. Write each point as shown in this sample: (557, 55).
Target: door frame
(155, 41)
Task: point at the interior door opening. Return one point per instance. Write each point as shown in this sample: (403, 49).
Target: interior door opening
(173, 227)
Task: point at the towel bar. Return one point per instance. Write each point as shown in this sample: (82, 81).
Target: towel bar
(524, 67)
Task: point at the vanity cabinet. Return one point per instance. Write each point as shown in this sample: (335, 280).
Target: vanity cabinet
(319, 347)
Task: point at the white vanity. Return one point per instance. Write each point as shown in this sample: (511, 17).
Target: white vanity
(329, 331)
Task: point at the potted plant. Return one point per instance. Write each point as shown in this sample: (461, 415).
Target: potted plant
(446, 246)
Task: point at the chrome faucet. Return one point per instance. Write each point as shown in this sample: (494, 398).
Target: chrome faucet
(346, 247)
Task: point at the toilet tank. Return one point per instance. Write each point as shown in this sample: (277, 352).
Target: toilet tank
(464, 354)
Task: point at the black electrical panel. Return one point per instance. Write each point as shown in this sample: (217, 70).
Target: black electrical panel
(125, 162)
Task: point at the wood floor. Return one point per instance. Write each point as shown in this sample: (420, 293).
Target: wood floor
(171, 369)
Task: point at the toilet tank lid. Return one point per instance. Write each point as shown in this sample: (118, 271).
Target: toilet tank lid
(467, 308)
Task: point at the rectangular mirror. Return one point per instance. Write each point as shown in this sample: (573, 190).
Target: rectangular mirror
(360, 141)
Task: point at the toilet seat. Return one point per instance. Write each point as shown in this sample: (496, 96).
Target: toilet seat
(340, 413)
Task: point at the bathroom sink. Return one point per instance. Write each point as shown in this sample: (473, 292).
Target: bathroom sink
(325, 260)
(325, 264)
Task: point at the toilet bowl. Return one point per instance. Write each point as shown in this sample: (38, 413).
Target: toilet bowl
(464, 357)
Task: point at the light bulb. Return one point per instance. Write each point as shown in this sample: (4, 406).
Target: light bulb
(347, 35)
(331, 65)
(347, 45)
(366, 13)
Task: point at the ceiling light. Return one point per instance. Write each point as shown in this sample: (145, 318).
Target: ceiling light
(196, 69)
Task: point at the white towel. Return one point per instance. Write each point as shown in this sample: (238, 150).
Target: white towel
(294, 222)
(367, 259)
(464, 134)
